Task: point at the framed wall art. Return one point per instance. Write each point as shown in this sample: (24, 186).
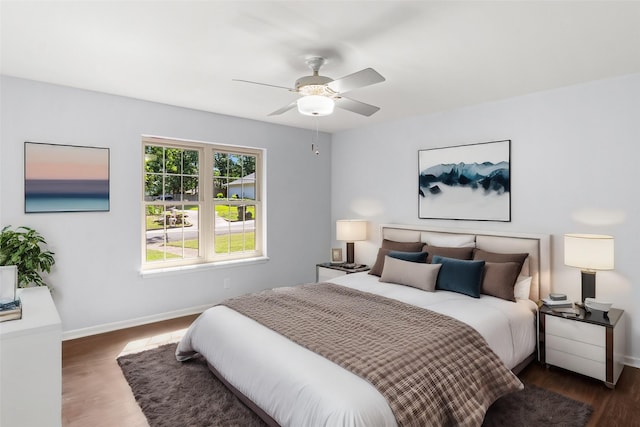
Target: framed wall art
(65, 178)
(466, 182)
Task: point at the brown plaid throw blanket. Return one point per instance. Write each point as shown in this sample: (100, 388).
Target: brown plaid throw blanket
(432, 369)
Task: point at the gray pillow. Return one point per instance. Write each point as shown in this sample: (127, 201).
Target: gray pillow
(389, 246)
(415, 274)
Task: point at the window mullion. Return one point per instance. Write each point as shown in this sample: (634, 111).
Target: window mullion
(206, 199)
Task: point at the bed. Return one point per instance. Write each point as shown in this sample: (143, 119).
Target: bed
(287, 384)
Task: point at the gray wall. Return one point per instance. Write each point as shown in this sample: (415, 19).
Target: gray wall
(96, 279)
(574, 155)
(574, 164)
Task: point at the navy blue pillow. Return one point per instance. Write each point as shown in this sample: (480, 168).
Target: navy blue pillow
(456, 275)
(409, 256)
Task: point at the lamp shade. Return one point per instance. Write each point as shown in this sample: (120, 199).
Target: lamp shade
(351, 230)
(315, 105)
(588, 251)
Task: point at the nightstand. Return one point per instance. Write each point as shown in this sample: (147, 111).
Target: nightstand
(326, 271)
(591, 344)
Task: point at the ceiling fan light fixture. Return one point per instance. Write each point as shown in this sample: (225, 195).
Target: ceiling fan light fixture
(311, 89)
(318, 94)
(315, 105)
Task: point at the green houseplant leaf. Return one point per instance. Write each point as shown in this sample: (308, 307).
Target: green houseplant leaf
(25, 248)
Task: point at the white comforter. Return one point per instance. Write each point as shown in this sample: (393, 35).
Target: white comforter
(296, 387)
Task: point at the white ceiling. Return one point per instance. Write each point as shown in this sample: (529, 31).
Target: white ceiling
(435, 55)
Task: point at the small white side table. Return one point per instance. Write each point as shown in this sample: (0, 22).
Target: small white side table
(31, 363)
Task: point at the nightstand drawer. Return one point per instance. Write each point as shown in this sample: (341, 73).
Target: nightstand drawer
(577, 364)
(325, 274)
(576, 348)
(576, 331)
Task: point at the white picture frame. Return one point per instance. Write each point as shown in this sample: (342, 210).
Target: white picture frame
(336, 255)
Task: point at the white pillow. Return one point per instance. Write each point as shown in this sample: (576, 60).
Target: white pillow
(522, 287)
(450, 240)
(415, 274)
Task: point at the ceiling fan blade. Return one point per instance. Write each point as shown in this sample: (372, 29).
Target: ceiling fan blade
(359, 79)
(356, 106)
(263, 84)
(284, 109)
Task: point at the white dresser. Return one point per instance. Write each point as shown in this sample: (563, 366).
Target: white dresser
(31, 363)
(592, 344)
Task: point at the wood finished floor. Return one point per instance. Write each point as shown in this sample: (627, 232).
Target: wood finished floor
(95, 393)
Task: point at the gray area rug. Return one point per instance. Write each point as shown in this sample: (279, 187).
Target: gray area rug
(173, 394)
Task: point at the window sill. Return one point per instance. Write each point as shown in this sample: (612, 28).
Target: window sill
(159, 272)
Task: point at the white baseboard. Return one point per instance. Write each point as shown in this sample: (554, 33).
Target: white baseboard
(109, 327)
(632, 361)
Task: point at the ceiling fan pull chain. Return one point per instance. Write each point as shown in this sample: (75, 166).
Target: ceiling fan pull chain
(314, 144)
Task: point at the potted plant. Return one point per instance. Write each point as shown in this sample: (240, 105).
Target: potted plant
(24, 248)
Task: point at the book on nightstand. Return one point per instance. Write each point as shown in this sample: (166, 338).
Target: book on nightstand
(557, 303)
(11, 311)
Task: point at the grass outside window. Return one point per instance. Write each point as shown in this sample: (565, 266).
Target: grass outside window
(237, 241)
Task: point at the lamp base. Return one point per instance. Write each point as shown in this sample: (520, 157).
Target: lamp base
(350, 252)
(588, 284)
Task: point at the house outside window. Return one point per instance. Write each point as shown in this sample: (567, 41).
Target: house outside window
(244, 187)
(202, 203)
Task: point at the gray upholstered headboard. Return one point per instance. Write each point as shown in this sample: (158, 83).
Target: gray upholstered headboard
(536, 245)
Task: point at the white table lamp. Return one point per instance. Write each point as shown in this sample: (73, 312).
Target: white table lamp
(588, 252)
(351, 230)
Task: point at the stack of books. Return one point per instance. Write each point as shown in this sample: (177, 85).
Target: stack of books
(557, 301)
(10, 311)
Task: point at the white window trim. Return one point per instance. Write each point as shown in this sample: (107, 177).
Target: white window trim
(208, 258)
(172, 271)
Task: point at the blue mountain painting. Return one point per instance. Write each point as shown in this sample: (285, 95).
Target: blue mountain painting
(491, 177)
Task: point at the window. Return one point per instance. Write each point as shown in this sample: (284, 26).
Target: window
(202, 203)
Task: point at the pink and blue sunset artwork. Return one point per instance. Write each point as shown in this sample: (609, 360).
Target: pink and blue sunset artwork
(65, 178)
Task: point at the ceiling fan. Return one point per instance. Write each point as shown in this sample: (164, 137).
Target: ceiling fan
(319, 94)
